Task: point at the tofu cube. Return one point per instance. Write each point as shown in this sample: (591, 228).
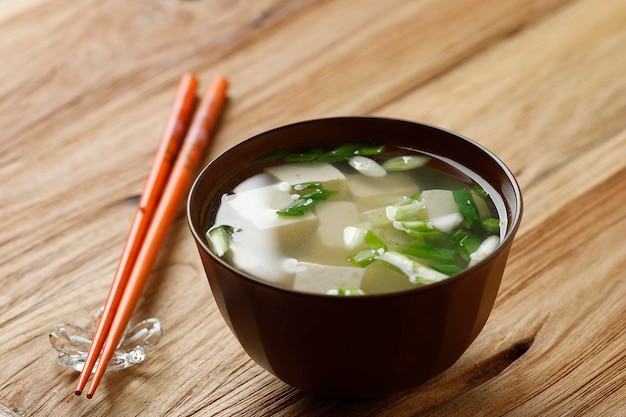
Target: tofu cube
(298, 173)
(333, 217)
(264, 261)
(370, 193)
(317, 278)
(258, 207)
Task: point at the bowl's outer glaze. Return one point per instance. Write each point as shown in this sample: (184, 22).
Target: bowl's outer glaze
(353, 347)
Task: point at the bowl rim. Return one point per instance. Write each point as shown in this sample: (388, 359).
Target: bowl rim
(516, 212)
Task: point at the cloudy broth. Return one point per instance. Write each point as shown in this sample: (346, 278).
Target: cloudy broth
(357, 220)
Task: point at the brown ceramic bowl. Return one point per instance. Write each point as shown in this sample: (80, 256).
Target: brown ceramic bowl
(360, 346)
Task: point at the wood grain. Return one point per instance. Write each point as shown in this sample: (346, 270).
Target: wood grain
(85, 91)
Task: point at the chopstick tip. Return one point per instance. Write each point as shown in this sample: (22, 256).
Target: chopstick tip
(82, 381)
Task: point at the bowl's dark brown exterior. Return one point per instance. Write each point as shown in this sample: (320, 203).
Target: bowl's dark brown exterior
(353, 347)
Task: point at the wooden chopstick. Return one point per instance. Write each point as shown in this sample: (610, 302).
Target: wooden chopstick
(191, 154)
(169, 146)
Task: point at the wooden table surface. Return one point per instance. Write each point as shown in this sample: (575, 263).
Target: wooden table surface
(85, 89)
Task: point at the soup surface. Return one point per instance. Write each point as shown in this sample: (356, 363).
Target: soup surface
(359, 219)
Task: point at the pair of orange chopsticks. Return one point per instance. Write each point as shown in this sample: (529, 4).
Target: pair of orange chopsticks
(179, 153)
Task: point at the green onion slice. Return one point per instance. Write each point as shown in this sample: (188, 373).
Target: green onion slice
(345, 291)
(342, 152)
(307, 201)
(468, 245)
(307, 186)
(374, 242)
(480, 191)
(467, 207)
(449, 270)
(431, 253)
(371, 150)
(271, 157)
(404, 163)
(219, 239)
(363, 258)
(491, 225)
(310, 155)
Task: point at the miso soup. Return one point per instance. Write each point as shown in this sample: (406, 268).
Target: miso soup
(358, 219)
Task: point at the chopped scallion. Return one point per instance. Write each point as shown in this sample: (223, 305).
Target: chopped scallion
(305, 202)
(341, 153)
(310, 155)
(371, 150)
(485, 249)
(468, 245)
(404, 163)
(491, 225)
(363, 258)
(431, 253)
(449, 270)
(416, 272)
(414, 225)
(353, 236)
(480, 191)
(367, 166)
(435, 237)
(345, 291)
(407, 210)
(374, 242)
(307, 186)
(219, 239)
(466, 205)
(271, 157)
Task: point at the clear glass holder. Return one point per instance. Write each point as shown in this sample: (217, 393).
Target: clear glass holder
(72, 343)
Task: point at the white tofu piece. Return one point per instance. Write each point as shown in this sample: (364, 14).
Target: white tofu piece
(333, 217)
(255, 250)
(298, 173)
(263, 239)
(258, 207)
(262, 260)
(441, 202)
(317, 278)
(256, 181)
(370, 193)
